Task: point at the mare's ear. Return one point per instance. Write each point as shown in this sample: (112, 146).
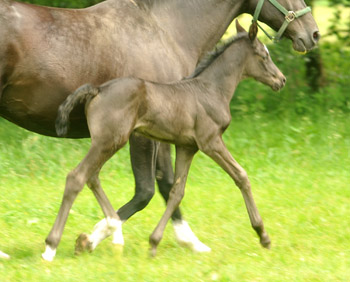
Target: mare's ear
(239, 28)
(253, 30)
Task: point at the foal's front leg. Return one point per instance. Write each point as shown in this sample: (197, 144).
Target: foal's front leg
(75, 182)
(183, 161)
(112, 224)
(220, 154)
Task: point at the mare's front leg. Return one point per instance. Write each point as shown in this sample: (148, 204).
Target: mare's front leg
(220, 154)
(165, 179)
(183, 161)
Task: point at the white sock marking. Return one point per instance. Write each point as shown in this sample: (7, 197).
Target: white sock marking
(4, 256)
(186, 237)
(106, 228)
(49, 253)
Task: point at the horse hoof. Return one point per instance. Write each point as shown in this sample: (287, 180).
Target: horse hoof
(185, 237)
(83, 244)
(49, 254)
(153, 251)
(266, 242)
(4, 256)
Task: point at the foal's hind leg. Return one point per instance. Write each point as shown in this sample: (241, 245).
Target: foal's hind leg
(165, 179)
(183, 161)
(75, 181)
(220, 154)
(112, 223)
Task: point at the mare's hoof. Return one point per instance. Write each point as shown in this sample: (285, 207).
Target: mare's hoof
(83, 244)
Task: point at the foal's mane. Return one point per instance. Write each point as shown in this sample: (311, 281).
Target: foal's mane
(211, 56)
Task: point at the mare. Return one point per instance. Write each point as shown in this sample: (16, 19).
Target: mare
(192, 114)
(46, 53)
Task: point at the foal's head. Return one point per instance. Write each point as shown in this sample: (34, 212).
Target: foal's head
(259, 64)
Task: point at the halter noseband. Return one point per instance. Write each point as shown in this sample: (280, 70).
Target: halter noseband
(288, 15)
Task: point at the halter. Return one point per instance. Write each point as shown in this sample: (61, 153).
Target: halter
(288, 15)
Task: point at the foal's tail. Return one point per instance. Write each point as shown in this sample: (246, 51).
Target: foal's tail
(81, 95)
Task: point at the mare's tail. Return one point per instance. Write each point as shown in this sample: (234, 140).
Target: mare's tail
(81, 95)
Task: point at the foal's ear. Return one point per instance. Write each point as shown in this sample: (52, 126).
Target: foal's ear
(253, 30)
(239, 28)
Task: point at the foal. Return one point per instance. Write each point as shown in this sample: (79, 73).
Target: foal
(192, 114)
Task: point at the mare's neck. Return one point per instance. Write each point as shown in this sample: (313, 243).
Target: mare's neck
(196, 25)
(226, 71)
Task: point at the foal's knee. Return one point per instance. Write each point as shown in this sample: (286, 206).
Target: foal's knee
(177, 193)
(74, 184)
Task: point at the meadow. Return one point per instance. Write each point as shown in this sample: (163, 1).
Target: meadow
(296, 153)
(299, 169)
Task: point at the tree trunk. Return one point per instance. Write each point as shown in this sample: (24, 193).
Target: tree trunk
(315, 75)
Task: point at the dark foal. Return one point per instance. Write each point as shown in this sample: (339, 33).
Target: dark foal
(46, 53)
(192, 114)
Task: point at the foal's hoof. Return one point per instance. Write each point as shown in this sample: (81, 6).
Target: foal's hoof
(154, 244)
(83, 244)
(153, 251)
(265, 242)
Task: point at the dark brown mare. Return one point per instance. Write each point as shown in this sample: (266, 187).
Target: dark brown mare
(46, 53)
(192, 114)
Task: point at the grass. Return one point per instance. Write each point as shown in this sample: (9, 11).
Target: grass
(299, 169)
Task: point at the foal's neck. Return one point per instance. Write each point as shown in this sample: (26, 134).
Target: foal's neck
(227, 70)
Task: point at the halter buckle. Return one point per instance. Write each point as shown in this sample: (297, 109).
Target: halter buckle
(291, 16)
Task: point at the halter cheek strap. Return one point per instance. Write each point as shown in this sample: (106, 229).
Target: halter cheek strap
(289, 16)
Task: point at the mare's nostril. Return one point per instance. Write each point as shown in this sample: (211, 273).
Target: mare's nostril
(316, 36)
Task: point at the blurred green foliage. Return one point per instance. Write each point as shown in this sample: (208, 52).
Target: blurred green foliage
(64, 4)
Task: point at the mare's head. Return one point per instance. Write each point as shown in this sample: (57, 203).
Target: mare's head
(259, 64)
(291, 18)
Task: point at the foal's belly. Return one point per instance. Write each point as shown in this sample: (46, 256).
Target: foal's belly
(182, 138)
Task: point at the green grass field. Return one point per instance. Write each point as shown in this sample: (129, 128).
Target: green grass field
(299, 169)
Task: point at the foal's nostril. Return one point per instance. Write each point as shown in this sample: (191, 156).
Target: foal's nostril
(316, 36)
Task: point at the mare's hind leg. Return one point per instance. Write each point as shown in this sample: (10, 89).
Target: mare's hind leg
(143, 154)
(75, 181)
(165, 179)
(183, 161)
(112, 223)
(220, 154)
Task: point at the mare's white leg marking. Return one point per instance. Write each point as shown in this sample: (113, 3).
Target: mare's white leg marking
(104, 229)
(49, 254)
(186, 237)
(4, 256)
(118, 238)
